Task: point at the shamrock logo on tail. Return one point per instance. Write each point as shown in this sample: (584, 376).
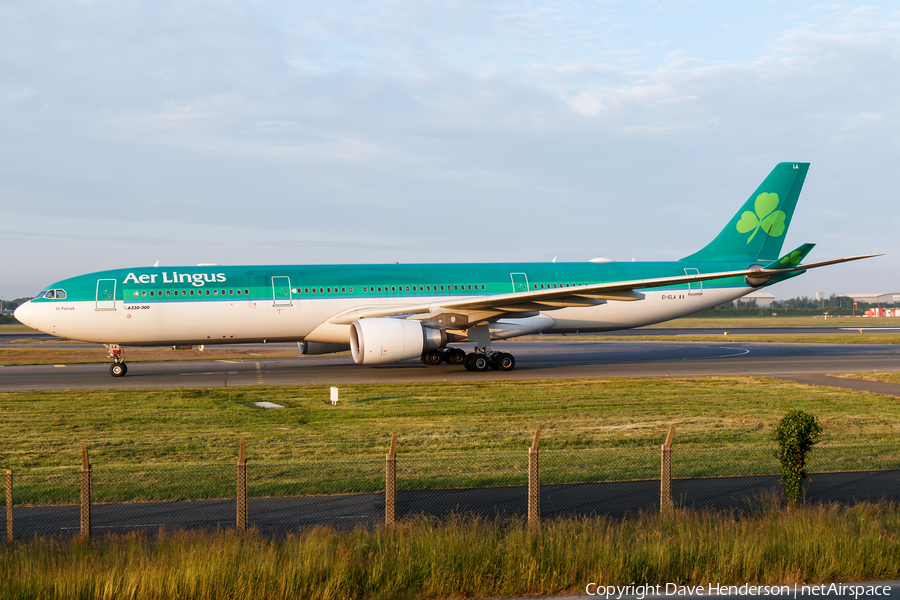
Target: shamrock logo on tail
(771, 220)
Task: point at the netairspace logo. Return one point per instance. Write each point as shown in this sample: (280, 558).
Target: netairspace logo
(648, 590)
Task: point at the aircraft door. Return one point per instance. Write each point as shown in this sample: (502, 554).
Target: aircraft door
(519, 282)
(106, 294)
(695, 288)
(281, 290)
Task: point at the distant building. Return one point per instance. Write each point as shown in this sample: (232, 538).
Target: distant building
(763, 299)
(886, 298)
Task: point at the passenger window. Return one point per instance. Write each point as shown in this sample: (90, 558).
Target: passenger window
(143, 293)
(176, 292)
(343, 290)
(407, 288)
(231, 292)
(393, 288)
(136, 294)
(168, 292)
(246, 292)
(215, 292)
(321, 290)
(207, 292)
(314, 290)
(351, 290)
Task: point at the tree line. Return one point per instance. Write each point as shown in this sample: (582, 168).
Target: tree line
(795, 307)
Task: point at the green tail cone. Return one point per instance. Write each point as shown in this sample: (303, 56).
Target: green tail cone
(756, 232)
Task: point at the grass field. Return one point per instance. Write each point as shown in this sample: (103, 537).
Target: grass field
(886, 377)
(450, 434)
(459, 558)
(726, 322)
(125, 427)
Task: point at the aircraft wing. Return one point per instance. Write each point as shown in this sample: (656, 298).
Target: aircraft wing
(556, 298)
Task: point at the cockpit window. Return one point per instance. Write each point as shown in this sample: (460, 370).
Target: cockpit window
(55, 294)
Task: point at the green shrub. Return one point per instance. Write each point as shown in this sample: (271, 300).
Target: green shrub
(796, 434)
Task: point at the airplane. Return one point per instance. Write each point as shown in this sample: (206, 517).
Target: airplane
(390, 313)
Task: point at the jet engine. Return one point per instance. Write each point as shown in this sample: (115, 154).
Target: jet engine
(384, 340)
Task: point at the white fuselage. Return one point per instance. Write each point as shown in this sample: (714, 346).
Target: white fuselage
(132, 323)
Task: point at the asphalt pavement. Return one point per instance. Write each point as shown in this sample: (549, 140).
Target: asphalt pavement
(279, 516)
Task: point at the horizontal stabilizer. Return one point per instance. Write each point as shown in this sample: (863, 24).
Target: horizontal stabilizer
(793, 258)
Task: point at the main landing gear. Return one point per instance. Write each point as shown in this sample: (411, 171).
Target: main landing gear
(481, 360)
(118, 368)
(474, 361)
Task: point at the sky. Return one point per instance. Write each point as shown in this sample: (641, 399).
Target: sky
(376, 132)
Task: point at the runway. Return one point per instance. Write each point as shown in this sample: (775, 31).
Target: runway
(555, 358)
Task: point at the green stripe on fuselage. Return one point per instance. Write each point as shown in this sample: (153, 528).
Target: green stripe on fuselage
(400, 281)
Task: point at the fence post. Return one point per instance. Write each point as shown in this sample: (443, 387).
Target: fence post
(85, 494)
(241, 523)
(666, 506)
(390, 484)
(534, 483)
(9, 505)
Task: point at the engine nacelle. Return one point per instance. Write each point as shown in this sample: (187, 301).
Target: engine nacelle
(384, 340)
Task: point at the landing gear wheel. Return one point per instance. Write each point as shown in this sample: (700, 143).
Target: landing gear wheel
(505, 362)
(432, 358)
(118, 369)
(477, 362)
(455, 356)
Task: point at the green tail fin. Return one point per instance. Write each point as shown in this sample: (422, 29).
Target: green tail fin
(756, 232)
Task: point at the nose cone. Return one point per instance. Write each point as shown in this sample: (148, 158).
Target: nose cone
(25, 314)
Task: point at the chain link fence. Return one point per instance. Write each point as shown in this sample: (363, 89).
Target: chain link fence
(348, 492)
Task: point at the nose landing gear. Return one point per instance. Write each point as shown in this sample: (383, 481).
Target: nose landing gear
(118, 368)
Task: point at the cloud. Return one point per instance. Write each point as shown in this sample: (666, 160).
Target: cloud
(439, 127)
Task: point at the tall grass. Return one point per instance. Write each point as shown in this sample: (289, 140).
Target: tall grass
(426, 558)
